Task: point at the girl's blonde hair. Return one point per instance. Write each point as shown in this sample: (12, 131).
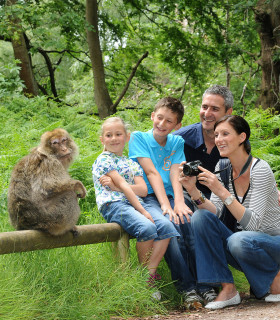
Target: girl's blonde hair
(114, 120)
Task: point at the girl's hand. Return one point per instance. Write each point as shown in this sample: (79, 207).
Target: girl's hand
(107, 181)
(148, 216)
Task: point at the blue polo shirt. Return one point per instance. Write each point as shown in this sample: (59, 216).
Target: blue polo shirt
(144, 145)
(195, 149)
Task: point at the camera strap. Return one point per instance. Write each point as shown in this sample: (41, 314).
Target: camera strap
(243, 170)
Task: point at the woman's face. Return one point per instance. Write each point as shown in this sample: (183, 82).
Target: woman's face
(227, 139)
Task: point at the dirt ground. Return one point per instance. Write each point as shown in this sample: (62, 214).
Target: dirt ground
(249, 309)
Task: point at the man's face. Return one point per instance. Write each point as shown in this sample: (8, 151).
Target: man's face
(212, 109)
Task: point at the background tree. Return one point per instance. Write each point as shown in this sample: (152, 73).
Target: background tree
(268, 18)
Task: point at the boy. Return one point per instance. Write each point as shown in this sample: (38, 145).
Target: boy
(160, 154)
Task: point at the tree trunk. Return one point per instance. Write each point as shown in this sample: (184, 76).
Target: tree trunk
(21, 54)
(267, 15)
(101, 94)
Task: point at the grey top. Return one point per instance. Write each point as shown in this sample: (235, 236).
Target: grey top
(262, 211)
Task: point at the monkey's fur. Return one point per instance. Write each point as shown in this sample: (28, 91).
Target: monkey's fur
(41, 193)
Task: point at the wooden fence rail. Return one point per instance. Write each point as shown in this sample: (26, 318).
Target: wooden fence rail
(30, 240)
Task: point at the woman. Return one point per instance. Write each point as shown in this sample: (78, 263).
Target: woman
(251, 203)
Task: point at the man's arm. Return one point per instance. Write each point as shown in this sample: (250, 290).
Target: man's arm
(158, 187)
(180, 208)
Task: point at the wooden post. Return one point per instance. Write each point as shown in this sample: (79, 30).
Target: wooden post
(121, 247)
(30, 240)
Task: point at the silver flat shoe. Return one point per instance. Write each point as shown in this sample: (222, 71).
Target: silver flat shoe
(272, 298)
(222, 304)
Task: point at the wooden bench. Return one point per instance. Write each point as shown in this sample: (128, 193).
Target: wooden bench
(30, 240)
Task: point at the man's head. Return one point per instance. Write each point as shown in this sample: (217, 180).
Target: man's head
(217, 101)
(167, 116)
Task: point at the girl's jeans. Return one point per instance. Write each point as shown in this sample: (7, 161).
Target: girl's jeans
(137, 225)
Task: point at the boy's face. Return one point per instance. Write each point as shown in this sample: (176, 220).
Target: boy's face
(164, 121)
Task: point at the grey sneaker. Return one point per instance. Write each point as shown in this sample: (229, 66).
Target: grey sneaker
(209, 296)
(192, 300)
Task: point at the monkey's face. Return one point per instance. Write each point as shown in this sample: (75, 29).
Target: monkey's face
(61, 148)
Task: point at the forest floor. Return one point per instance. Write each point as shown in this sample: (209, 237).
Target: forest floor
(249, 309)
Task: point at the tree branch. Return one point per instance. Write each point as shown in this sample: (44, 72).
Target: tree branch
(51, 72)
(114, 106)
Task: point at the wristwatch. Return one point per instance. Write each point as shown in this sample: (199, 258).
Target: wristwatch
(200, 200)
(229, 200)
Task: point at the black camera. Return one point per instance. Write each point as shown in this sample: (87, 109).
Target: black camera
(190, 169)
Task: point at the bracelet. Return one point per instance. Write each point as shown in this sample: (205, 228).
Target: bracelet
(200, 200)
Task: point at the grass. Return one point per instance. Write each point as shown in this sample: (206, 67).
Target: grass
(85, 282)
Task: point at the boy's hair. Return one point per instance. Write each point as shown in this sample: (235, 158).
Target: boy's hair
(173, 104)
(114, 120)
(222, 91)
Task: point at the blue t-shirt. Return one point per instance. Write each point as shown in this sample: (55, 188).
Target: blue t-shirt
(195, 149)
(144, 145)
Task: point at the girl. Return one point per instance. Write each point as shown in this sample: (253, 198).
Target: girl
(251, 202)
(119, 186)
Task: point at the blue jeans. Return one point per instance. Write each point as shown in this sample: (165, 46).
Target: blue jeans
(180, 255)
(137, 225)
(257, 254)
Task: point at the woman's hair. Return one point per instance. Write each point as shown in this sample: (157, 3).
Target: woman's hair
(240, 125)
(114, 120)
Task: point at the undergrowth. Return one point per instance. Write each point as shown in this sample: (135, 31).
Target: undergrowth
(86, 282)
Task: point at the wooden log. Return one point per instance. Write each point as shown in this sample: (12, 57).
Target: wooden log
(30, 240)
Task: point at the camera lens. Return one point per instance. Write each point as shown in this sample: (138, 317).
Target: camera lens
(187, 170)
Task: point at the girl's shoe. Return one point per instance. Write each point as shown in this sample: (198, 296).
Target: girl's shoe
(152, 283)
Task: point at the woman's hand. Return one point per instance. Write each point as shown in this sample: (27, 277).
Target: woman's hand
(187, 182)
(209, 180)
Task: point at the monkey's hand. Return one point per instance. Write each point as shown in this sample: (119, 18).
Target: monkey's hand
(80, 189)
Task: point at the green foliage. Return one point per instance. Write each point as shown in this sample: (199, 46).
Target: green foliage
(9, 79)
(85, 282)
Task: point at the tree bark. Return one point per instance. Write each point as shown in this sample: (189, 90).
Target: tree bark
(21, 54)
(101, 94)
(267, 15)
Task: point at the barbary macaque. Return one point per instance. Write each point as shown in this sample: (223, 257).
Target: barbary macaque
(41, 194)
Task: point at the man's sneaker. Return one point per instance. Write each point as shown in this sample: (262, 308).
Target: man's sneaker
(209, 296)
(192, 300)
(152, 283)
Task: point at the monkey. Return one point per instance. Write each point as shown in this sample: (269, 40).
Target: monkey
(41, 194)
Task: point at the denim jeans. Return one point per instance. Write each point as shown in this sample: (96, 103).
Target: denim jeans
(137, 225)
(255, 253)
(180, 255)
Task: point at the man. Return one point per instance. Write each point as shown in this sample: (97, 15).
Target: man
(199, 138)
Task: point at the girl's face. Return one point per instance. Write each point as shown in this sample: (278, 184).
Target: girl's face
(114, 138)
(227, 139)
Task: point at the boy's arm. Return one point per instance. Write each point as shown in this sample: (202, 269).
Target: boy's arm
(120, 183)
(180, 208)
(158, 187)
(139, 188)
